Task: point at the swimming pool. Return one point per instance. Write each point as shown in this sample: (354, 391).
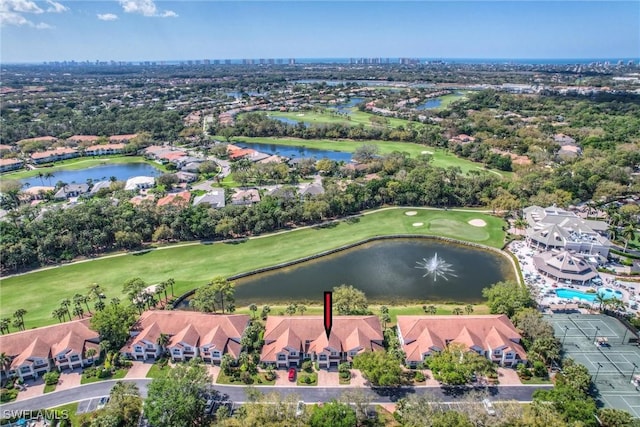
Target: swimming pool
(572, 294)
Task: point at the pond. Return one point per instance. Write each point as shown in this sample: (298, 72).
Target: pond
(121, 172)
(298, 152)
(389, 271)
(430, 104)
(345, 107)
(288, 120)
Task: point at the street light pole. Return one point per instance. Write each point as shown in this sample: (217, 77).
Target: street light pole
(634, 370)
(596, 334)
(597, 372)
(625, 335)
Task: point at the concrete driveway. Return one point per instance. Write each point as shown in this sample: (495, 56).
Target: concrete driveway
(328, 379)
(139, 369)
(213, 370)
(34, 388)
(508, 377)
(282, 378)
(69, 379)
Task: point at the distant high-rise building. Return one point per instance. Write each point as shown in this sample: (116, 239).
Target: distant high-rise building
(279, 61)
(271, 61)
(227, 61)
(292, 61)
(262, 61)
(216, 62)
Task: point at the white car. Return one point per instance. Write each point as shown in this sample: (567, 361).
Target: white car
(488, 406)
(300, 408)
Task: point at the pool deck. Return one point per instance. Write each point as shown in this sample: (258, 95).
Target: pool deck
(543, 288)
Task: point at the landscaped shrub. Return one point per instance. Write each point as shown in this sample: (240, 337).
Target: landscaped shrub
(7, 395)
(539, 370)
(104, 373)
(419, 377)
(307, 366)
(306, 379)
(270, 375)
(523, 372)
(590, 291)
(51, 378)
(245, 377)
(89, 372)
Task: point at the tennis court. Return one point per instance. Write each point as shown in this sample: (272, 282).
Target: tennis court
(602, 344)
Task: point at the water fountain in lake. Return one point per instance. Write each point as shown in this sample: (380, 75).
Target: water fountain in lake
(436, 267)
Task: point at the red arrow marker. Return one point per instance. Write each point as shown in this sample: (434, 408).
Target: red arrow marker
(328, 313)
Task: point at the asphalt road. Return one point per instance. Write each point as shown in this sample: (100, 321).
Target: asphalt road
(308, 394)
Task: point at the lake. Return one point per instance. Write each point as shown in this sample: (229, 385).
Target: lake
(296, 151)
(386, 271)
(434, 102)
(122, 172)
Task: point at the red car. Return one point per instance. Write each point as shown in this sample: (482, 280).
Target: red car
(292, 374)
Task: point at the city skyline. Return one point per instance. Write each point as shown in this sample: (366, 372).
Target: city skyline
(147, 30)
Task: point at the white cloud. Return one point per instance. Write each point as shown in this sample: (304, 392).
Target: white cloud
(145, 8)
(43, 26)
(107, 17)
(22, 6)
(55, 7)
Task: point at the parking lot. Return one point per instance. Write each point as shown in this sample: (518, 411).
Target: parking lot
(91, 405)
(601, 343)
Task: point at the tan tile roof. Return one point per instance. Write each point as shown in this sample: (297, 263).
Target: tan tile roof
(177, 199)
(347, 333)
(83, 138)
(191, 327)
(105, 147)
(49, 153)
(41, 341)
(12, 161)
(422, 333)
(117, 138)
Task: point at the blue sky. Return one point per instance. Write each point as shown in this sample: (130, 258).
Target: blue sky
(130, 30)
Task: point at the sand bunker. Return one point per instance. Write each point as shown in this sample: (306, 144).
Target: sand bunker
(411, 213)
(418, 224)
(478, 223)
(427, 152)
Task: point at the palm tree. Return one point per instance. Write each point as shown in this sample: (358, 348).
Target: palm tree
(115, 301)
(601, 300)
(468, 309)
(302, 309)
(614, 232)
(385, 318)
(19, 316)
(629, 233)
(58, 313)
(432, 309)
(160, 289)
(99, 305)
(90, 353)
(170, 282)
(164, 285)
(4, 325)
(291, 309)
(457, 311)
(253, 308)
(95, 291)
(65, 304)
(163, 341)
(5, 361)
(78, 311)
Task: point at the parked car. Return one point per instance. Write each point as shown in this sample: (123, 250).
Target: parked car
(300, 408)
(488, 406)
(292, 374)
(102, 402)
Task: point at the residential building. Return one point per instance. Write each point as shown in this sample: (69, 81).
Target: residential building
(7, 165)
(189, 335)
(245, 197)
(492, 336)
(71, 190)
(181, 199)
(33, 352)
(80, 139)
(215, 198)
(290, 340)
(311, 189)
(140, 183)
(97, 186)
(115, 139)
(555, 228)
(104, 149)
(186, 176)
(60, 153)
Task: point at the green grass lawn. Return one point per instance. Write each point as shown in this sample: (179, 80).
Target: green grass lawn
(69, 412)
(536, 380)
(441, 158)
(258, 379)
(313, 376)
(329, 116)
(156, 371)
(191, 266)
(49, 388)
(120, 373)
(79, 163)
